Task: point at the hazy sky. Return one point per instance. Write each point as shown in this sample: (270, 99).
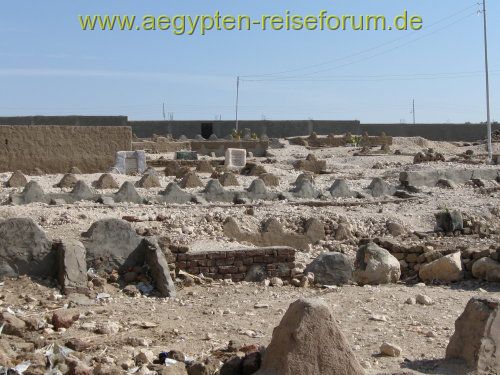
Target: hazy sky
(49, 66)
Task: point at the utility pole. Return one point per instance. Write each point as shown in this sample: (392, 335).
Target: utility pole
(413, 111)
(487, 73)
(237, 99)
(164, 114)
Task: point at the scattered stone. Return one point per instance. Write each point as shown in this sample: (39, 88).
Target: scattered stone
(64, 318)
(276, 281)
(12, 325)
(428, 155)
(375, 265)
(106, 181)
(395, 229)
(422, 299)
(486, 269)
(448, 268)
(390, 350)
(331, 269)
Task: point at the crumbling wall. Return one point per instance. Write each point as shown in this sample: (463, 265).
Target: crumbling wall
(235, 264)
(55, 149)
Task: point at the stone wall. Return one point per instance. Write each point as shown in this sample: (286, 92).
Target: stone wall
(160, 145)
(66, 120)
(55, 149)
(235, 264)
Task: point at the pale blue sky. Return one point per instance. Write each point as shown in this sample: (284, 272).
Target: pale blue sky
(49, 66)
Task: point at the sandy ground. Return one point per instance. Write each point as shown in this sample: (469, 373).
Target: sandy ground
(205, 317)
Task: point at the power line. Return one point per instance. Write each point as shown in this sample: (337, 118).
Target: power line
(365, 58)
(362, 51)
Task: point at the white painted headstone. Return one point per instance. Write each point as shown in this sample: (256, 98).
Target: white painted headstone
(236, 158)
(130, 162)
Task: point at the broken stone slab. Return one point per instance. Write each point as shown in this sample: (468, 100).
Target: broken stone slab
(331, 269)
(375, 265)
(72, 266)
(112, 244)
(25, 249)
(448, 269)
(308, 340)
(31, 193)
(17, 179)
(158, 266)
(431, 177)
(106, 181)
(340, 189)
(128, 194)
(174, 194)
(477, 336)
(379, 188)
(449, 221)
(214, 192)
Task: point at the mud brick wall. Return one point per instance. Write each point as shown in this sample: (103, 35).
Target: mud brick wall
(160, 146)
(55, 149)
(234, 264)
